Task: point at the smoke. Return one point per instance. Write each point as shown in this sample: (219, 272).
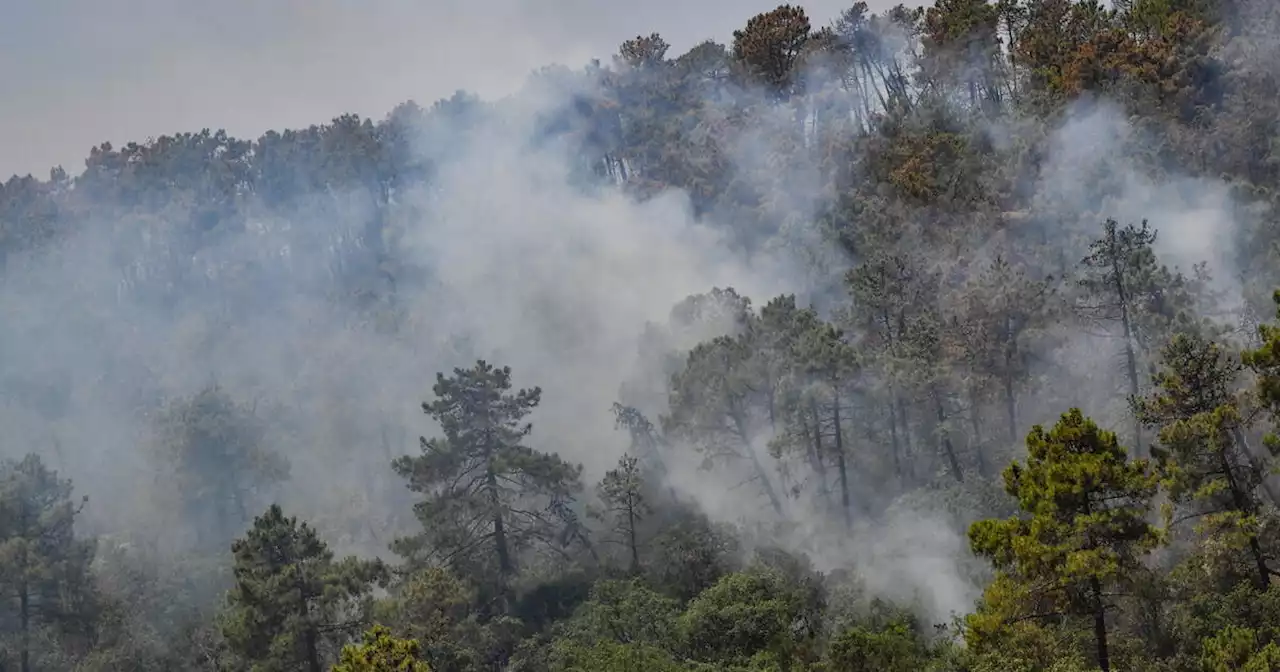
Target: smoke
(506, 253)
(1101, 165)
(513, 257)
(559, 280)
(517, 260)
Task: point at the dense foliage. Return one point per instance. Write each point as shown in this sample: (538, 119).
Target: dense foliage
(1039, 242)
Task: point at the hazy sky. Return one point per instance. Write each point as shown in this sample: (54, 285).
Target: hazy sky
(74, 73)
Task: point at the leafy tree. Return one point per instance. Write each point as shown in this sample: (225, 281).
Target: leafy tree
(292, 603)
(961, 40)
(1203, 620)
(829, 362)
(1084, 527)
(646, 442)
(626, 612)
(891, 292)
(1238, 648)
(440, 611)
(606, 656)
(895, 648)
(696, 553)
(488, 496)
(1117, 256)
(747, 618)
(800, 425)
(45, 579)
(907, 146)
(927, 346)
(380, 652)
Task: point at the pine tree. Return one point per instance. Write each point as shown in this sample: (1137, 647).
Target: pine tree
(1195, 409)
(1083, 528)
(928, 347)
(647, 444)
(488, 496)
(45, 579)
(770, 48)
(622, 491)
(828, 362)
(1126, 285)
(292, 604)
(717, 405)
(1264, 362)
(1005, 312)
(795, 354)
(890, 293)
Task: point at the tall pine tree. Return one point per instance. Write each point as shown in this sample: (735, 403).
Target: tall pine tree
(1202, 453)
(488, 497)
(45, 584)
(1083, 528)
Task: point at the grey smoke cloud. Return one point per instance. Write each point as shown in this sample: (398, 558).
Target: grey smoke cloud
(526, 268)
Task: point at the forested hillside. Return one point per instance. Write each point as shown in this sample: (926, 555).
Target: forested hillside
(935, 339)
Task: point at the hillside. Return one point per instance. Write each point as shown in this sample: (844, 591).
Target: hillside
(937, 339)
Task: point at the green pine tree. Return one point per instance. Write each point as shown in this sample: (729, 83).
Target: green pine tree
(623, 492)
(1264, 362)
(45, 582)
(1125, 285)
(292, 604)
(1083, 528)
(1202, 454)
(488, 496)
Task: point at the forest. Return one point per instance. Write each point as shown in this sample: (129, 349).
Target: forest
(943, 338)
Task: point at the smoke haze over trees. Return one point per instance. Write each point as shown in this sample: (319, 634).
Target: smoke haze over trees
(936, 338)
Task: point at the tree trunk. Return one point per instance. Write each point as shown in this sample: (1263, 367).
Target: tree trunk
(1100, 626)
(313, 652)
(631, 533)
(893, 437)
(773, 415)
(1130, 356)
(1011, 408)
(906, 437)
(1247, 450)
(840, 462)
(24, 609)
(505, 566)
(819, 467)
(976, 425)
(309, 634)
(1131, 364)
(1243, 505)
(944, 437)
(756, 465)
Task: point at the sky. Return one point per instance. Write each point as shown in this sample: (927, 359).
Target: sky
(75, 73)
